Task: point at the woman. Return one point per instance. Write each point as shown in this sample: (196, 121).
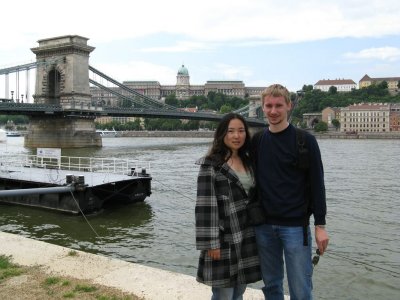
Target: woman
(228, 258)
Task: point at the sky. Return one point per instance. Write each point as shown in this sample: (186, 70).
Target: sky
(259, 42)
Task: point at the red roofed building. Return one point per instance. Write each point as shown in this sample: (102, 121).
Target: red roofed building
(342, 85)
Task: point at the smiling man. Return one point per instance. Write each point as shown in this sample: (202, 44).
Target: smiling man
(289, 194)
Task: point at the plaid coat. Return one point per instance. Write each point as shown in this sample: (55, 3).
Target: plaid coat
(221, 222)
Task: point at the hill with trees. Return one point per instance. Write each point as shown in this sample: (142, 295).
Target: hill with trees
(316, 100)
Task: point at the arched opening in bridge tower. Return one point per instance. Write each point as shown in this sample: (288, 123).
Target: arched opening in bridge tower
(54, 87)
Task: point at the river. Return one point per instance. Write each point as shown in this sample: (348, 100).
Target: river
(362, 185)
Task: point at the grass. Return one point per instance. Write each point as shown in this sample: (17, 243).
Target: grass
(8, 269)
(46, 287)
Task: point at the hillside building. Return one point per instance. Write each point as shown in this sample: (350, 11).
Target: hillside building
(342, 85)
(182, 89)
(392, 82)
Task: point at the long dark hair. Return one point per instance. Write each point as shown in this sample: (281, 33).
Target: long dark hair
(219, 152)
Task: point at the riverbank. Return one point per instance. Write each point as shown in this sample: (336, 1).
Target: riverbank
(159, 133)
(361, 136)
(139, 280)
(210, 134)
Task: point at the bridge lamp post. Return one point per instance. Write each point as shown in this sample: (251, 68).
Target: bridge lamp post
(12, 95)
(22, 98)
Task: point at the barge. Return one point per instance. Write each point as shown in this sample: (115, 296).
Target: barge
(72, 184)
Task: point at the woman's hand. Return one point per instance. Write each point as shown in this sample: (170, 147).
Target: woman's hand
(215, 254)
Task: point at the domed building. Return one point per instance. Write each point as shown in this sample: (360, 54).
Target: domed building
(182, 83)
(182, 89)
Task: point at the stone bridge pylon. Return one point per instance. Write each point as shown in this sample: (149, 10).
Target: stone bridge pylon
(62, 78)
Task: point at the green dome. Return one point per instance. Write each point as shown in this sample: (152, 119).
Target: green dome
(183, 71)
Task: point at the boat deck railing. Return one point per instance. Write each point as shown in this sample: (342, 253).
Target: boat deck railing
(82, 164)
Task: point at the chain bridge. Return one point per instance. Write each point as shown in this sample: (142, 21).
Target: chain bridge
(63, 110)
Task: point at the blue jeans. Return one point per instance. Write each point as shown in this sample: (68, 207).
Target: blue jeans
(273, 242)
(233, 293)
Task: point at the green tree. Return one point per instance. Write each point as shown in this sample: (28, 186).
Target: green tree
(321, 127)
(336, 123)
(332, 90)
(307, 88)
(171, 100)
(225, 109)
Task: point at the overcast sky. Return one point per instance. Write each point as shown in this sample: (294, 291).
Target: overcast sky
(257, 41)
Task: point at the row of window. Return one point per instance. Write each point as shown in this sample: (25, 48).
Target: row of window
(364, 125)
(366, 114)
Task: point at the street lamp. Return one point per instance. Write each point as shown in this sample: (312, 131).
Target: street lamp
(12, 95)
(22, 98)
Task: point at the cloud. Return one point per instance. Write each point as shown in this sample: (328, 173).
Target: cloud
(212, 21)
(389, 54)
(139, 71)
(229, 72)
(180, 46)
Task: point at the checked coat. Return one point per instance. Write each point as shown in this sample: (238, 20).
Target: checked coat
(221, 222)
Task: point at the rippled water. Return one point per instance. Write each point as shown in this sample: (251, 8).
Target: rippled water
(362, 182)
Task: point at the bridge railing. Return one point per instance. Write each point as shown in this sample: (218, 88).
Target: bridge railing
(81, 164)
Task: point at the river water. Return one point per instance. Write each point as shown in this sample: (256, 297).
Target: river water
(362, 184)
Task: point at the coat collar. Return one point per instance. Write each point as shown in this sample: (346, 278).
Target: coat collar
(224, 169)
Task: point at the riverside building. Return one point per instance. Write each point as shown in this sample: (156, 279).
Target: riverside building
(370, 117)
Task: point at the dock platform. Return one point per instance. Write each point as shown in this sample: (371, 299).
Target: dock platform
(96, 181)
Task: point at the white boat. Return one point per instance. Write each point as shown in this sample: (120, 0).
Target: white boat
(107, 133)
(13, 133)
(55, 182)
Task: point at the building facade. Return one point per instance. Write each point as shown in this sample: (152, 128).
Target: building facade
(330, 113)
(369, 117)
(342, 85)
(392, 82)
(182, 89)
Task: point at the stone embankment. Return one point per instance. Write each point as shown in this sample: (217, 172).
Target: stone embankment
(143, 281)
(342, 135)
(210, 134)
(157, 133)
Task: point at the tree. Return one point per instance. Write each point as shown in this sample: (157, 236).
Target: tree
(383, 85)
(171, 100)
(307, 88)
(336, 123)
(332, 90)
(225, 109)
(321, 127)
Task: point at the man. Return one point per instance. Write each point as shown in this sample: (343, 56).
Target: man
(288, 202)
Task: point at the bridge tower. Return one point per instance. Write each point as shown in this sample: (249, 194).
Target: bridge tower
(62, 78)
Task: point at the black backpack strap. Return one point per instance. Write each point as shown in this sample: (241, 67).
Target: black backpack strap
(303, 163)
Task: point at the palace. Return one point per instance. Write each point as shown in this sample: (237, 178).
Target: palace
(182, 89)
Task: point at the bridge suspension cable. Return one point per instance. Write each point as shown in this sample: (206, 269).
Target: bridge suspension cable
(148, 100)
(119, 95)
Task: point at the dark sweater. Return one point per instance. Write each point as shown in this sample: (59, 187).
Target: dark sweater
(282, 186)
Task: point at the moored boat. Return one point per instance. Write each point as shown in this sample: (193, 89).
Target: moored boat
(13, 133)
(82, 184)
(107, 133)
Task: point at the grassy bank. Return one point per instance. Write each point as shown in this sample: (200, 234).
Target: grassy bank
(18, 282)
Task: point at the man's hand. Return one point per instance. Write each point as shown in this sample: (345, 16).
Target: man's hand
(322, 239)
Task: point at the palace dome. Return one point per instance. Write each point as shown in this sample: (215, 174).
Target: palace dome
(183, 71)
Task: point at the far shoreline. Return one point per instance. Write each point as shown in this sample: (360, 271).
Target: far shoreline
(210, 134)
